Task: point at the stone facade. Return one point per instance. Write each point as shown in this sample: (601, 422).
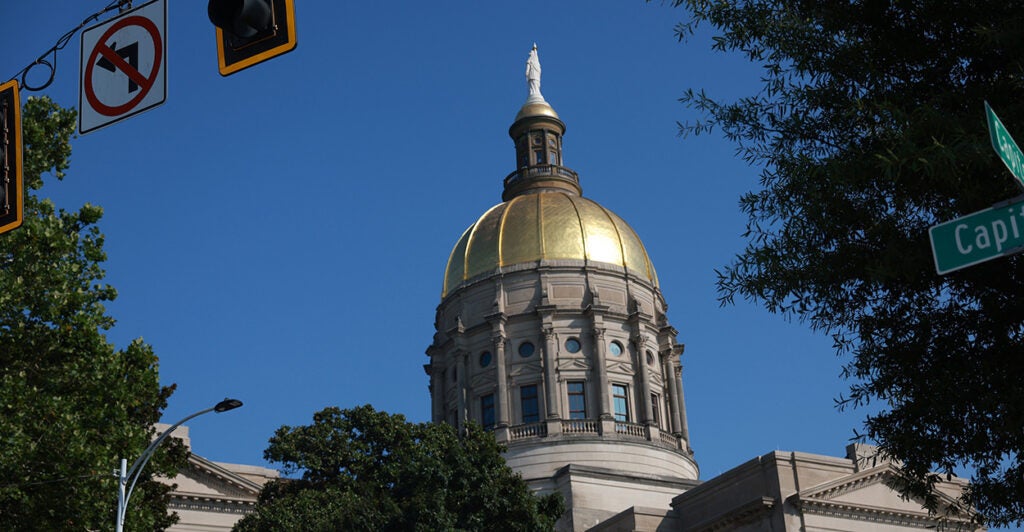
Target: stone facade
(212, 496)
(807, 492)
(553, 333)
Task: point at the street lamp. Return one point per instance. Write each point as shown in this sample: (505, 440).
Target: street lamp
(124, 474)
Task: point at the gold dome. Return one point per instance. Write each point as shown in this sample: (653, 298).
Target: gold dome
(546, 226)
(536, 108)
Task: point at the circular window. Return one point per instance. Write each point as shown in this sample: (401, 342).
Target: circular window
(525, 349)
(485, 359)
(572, 345)
(650, 358)
(615, 348)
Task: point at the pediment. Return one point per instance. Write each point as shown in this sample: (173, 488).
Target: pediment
(532, 368)
(205, 479)
(869, 495)
(623, 368)
(870, 487)
(573, 363)
(481, 380)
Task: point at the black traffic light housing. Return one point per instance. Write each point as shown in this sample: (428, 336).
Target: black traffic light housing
(12, 187)
(251, 31)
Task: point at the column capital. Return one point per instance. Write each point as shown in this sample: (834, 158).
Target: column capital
(549, 333)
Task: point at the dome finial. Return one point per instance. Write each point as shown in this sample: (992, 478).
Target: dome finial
(533, 76)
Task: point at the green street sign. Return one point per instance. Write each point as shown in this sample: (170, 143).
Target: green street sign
(979, 236)
(1005, 146)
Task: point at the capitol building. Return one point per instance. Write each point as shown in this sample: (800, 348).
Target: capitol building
(553, 333)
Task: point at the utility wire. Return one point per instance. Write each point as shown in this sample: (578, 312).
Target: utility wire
(44, 61)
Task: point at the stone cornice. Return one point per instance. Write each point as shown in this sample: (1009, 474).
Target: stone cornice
(547, 266)
(875, 514)
(555, 440)
(498, 320)
(206, 504)
(615, 475)
(222, 473)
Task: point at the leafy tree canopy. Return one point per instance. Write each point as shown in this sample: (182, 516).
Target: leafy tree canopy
(868, 128)
(70, 404)
(368, 470)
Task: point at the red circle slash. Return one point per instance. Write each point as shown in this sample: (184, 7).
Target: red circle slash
(143, 82)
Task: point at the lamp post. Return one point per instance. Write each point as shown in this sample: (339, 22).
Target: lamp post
(124, 490)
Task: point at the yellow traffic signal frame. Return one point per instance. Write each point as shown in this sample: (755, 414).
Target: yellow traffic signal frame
(11, 220)
(281, 9)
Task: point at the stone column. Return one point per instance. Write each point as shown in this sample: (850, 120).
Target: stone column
(645, 378)
(550, 374)
(669, 375)
(677, 416)
(603, 385)
(436, 392)
(501, 404)
(460, 370)
(684, 429)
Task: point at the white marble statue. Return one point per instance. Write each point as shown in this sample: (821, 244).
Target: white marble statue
(533, 73)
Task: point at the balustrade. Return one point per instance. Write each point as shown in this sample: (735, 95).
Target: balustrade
(543, 170)
(530, 430)
(579, 426)
(631, 429)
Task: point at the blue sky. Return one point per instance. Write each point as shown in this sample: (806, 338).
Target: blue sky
(279, 235)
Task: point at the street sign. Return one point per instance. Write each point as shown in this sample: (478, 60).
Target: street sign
(123, 66)
(12, 186)
(1005, 146)
(979, 236)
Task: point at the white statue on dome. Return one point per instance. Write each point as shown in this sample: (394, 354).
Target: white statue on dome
(533, 74)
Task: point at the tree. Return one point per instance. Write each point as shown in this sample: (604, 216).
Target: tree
(70, 404)
(867, 129)
(368, 470)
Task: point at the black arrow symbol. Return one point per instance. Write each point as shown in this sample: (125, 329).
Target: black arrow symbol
(129, 53)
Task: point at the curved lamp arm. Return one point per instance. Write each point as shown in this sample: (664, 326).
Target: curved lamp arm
(136, 470)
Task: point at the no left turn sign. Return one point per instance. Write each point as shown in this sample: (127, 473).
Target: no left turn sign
(123, 66)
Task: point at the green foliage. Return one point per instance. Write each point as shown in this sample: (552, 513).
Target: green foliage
(368, 470)
(70, 404)
(868, 128)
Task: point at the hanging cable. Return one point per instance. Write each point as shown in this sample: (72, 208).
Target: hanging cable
(50, 63)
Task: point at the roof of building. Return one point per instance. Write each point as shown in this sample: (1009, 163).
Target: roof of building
(544, 217)
(546, 226)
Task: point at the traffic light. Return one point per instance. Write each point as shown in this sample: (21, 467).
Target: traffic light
(12, 189)
(251, 31)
